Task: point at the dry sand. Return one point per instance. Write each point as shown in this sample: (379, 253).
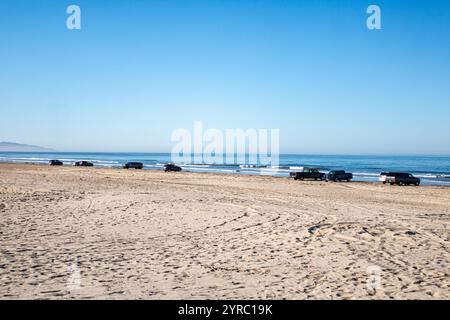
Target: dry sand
(113, 234)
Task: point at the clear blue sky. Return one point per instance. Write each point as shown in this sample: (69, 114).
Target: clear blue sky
(140, 69)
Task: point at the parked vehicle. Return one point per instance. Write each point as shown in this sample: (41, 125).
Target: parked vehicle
(133, 165)
(339, 175)
(399, 178)
(308, 173)
(83, 164)
(383, 176)
(172, 167)
(55, 163)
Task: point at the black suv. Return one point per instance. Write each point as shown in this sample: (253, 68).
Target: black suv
(400, 178)
(55, 163)
(339, 175)
(133, 165)
(308, 173)
(171, 167)
(83, 164)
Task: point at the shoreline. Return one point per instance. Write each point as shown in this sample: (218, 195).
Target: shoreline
(428, 185)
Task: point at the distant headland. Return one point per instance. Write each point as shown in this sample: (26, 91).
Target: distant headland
(17, 147)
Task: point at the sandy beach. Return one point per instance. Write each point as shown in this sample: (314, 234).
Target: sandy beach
(89, 233)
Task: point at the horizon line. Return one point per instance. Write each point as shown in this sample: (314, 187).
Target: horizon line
(225, 154)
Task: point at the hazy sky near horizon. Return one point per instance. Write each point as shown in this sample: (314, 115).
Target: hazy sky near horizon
(137, 70)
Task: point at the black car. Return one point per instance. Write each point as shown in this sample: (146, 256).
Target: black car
(339, 175)
(55, 163)
(308, 173)
(400, 178)
(133, 165)
(171, 167)
(83, 164)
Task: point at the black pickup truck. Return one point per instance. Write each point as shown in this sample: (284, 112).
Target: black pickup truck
(55, 163)
(83, 164)
(308, 173)
(339, 175)
(171, 168)
(399, 178)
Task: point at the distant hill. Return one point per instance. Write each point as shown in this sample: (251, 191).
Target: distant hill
(17, 147)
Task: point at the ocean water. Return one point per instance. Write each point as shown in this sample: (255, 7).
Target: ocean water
(433, 170)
